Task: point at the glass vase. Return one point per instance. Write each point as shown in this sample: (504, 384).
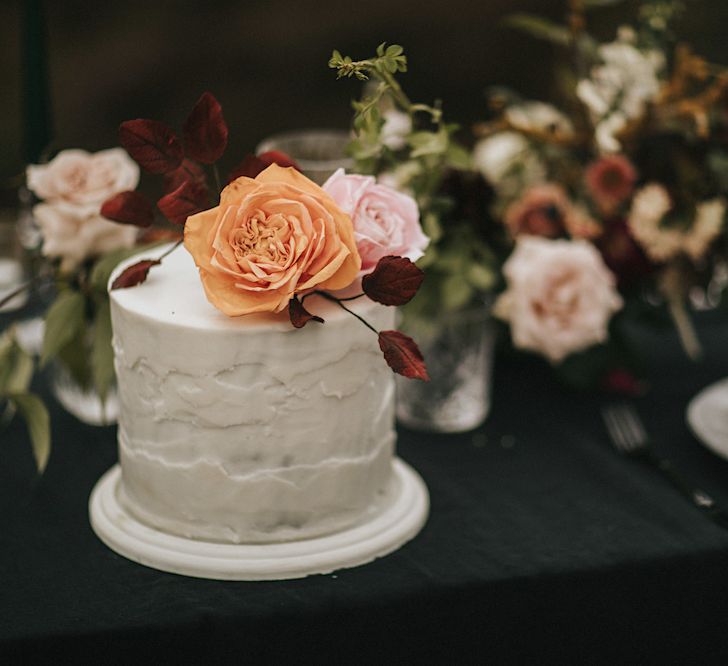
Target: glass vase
(458, 351)
(319, 152)
(83, 402)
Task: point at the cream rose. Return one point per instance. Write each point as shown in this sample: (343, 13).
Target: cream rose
(83, 179)
(270, 238)
(560, 296)
(73, 234)
(386, 222)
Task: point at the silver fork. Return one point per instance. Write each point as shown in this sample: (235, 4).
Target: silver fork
(629, 438)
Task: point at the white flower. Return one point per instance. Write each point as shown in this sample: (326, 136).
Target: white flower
(619, 88)
(496, 155)
(538, 116)
(560, 296)
(397, 125)
(606, 132)
(83, 179)
(708, 223)
(649, 206)
(73, 234)
(507, 162)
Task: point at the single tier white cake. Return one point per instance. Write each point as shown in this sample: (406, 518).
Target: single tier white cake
(244, 429)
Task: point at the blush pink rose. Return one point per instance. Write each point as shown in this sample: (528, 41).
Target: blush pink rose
(560, 296)
(73, 186)
(83, 180)
(386, 222)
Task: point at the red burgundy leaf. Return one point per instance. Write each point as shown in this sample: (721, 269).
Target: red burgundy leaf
(152, 144)
(129, 208)
(189, 198)
(252, 165)
(205, 132)
(394, 281)
(188, 170)
(134, 274)
(403, 355)
(277, 157)
(299, 315)
(158, 235)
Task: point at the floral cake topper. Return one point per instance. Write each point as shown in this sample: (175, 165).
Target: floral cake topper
(275, 237)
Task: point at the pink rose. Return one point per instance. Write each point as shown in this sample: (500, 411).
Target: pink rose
(81, 179)
(560, 296)
(73, 186)
(72, 234)
(386, 222)
(541, 211)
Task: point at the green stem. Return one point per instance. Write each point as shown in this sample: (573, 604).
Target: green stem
(685, 328)
(395, 90)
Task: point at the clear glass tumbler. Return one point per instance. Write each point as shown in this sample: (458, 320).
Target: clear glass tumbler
(319, 152)
(458, 351)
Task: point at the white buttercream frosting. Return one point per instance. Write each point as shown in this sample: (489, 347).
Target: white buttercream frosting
(244, 429)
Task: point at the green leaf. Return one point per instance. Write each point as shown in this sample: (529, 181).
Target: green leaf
(431, 226)
(458, 157)
(428, 143)
(63, 320)
(36, 417)
(456, 292)
(481, 277)
(429, 258)
(102, 354)
(6, 344)
(540, 28)
(16, 366)
(75, 357)
(7, 360)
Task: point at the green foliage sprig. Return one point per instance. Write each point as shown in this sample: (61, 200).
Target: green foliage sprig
(16, 372)
(460, 262)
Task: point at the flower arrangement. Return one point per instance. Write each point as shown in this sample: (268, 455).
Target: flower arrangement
(624, 191)
(579, 216)
(410, 146)
(81, 247)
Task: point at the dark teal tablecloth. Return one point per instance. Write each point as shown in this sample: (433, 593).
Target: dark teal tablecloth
(542, 544)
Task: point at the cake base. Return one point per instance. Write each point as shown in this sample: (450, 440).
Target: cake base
(401, 515)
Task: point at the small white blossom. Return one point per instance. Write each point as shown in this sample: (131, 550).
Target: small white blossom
(708, 223)
(619, 88)
(397, 125)
(507, 162)
(538, 116)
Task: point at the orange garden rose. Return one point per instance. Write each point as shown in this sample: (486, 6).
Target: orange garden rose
(270, 238)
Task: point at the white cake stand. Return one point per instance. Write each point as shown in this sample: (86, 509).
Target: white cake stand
(401, 516)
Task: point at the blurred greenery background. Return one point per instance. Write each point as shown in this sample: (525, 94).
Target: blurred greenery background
(266, 60)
